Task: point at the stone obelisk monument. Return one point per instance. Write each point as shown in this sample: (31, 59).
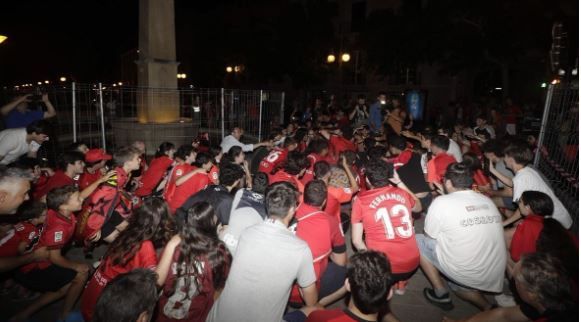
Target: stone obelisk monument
(157, 66)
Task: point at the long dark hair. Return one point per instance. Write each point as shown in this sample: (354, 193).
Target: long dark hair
(200, 243)
(231, 155)
(151, 221)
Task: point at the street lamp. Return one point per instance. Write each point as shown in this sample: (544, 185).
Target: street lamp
(2, 38)
(345, 57)
(63, 79)
(229, 69)
(182, 76)
(330, 58)
(46, 82)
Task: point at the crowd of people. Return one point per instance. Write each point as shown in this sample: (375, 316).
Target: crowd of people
(263, 232)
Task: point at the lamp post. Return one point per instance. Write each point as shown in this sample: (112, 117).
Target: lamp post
(3, 38)
(345, 57)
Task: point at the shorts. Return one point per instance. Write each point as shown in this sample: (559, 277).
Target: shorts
(400, 277)
(50, 279)
(109, 226)
(295, 316)
(427, 248)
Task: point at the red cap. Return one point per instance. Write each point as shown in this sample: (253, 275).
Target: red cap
(95, 155)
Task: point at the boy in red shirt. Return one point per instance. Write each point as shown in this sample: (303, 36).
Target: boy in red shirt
(319, 150)
(440, 161)
(58, 276)
(336, 195)
(340, 140)
(29, 229)
(154, 175)
(322, 234)
(295, 167)
(70, 165)
(95, 161)
(277, 157)
(189, 183)
(384, 213)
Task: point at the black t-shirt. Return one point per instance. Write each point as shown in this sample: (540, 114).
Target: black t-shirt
(217, 196)
(412, 175)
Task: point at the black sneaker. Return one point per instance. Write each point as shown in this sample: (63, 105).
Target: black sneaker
(443, 302)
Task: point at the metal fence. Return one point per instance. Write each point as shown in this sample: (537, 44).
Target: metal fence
(106, 115)
(557, 155)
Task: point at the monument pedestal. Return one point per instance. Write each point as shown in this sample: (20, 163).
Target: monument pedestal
(128, 130)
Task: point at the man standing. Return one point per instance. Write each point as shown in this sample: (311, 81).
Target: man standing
(463, 240)
(234, 140)
(17, 113)
(375, 117)
(269, 258)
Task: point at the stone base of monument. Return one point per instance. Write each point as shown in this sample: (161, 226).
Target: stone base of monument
(128, 130)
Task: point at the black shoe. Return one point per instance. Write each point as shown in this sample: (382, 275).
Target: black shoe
(443, 302)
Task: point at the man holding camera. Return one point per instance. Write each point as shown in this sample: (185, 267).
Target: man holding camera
(18, 114)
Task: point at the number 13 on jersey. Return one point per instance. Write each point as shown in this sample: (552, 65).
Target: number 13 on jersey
(396, 213)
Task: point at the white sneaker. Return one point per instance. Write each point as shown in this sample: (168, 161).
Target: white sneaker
(504, 300)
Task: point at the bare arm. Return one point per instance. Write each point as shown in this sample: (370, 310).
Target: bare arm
(165, 261)
(357, 236)
(504, 179)
(310, 294)
(50, 111)
(516, 216)
(181, 180)
(4, 110)
(352, 181)
(333, 297)
(91, 188)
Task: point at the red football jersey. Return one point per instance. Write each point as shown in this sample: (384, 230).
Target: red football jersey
(525, 236)
(387, 222)
(144, 258)
(9, 244)
(187, 189)
(282, 176)
(310, 172)
(153, 175)
(87, 178)
(335, 197)
(333, 315)
(437, 167)
(27, 233)
(177, 195)
(322, 235)
(338, 144)
(213, 174)
(276, 157)
(59, 179)
(57, 232)
(402, 159)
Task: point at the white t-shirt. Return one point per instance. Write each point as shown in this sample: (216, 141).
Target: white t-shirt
(231, 141)
(528, 179)
(454, 150)
(13, 145)
(470, 239)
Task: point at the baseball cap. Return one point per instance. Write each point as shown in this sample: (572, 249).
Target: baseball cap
(94, 155)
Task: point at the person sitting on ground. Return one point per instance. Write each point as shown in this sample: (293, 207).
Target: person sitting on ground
(28, 230)
(483, 129)
(109, 207)
(501, 195)
(440, 161)
(234, 140)
(317, 150)
(481, 181)
(15, 143)
(197, 270)
(454, 148)
(277, 157)
(384, 214)
(368, 282)
(517, 157)
(544, 294)
(269, 259)
(95, 167)
(18, 114)
(295, 167)
(152, 179)
(134, 248)
(325, 240)
(237, 156)
(464, 241)
(336, 195)
(247, 210)
(184, 157)
(192, 182)
(130, 297)
(56, 277)
(216, 156)
(219, 196)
